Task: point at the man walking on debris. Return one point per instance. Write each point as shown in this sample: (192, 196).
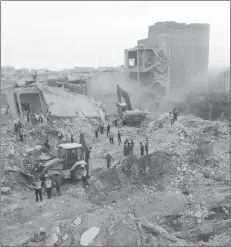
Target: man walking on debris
(141, 149)
(20, 134)
(48, 186)
(108, 129)
(57, 184)
(129, 148)
(84, 176)
(132, 146)
(46, 144)
(146, 145)
(175, 116)
(16, 130)
(28, 116)
(111, 137)
(38, 190)
(109, 159)
(96, 133)
(119, 137)
(125, 149)
(171, 117)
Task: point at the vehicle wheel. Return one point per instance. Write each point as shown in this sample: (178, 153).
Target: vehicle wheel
(76, 174)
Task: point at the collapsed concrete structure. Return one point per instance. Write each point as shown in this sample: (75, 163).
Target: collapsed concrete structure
(170, 56)
(43, 98)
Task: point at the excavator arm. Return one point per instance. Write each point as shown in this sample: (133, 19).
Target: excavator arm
(124, 94)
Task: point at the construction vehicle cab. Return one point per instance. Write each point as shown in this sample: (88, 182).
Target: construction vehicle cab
(127, 115)
(69, 163)
(132, 117)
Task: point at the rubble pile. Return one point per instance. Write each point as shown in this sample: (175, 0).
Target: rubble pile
(23, 157)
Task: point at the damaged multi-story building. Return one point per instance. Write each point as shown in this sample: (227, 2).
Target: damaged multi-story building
(171, 55)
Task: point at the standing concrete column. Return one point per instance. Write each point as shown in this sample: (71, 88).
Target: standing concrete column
(137, 64)
(19, 104)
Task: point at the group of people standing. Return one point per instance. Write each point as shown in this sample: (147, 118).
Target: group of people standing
(47, 183)
(128, 147)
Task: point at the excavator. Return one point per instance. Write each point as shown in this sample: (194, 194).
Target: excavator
(125, 111)
(72, 157)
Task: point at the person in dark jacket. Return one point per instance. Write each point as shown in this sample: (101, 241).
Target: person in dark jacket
(28, 116)
(141, 149)
(129, 148)
(96, 133)
(57, 184)
(108, 129)
(146, 145)
(72, 138)
(109, 159)
(20, 134)
(16, 130)
(132, 146)
(119, 137)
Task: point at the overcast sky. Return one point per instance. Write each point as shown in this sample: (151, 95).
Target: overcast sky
(65, 34)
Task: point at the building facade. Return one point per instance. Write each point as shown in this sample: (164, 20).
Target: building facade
(170, 56)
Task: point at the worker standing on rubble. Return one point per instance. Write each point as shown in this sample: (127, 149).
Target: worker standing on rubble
(28, 116)
(111, 138)
(171, 117)
(146, 145)
(109, 159)
(57, 184)
(132, 146)
(119, 137)
(141, 149)
(175, 114)
(46, 144)
(125, 149)
(20, 134)
(84, 176)
(129, 147)
(96, 133)
(38, 190)
(72, 138)
(16, 130)
(48, 186)
(108, 129)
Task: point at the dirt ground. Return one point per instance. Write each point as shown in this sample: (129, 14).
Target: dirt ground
(134, 214)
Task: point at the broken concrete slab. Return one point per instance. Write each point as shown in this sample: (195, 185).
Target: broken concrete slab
(77, 221)
(6, 190)
(52, 240)
(89, 236)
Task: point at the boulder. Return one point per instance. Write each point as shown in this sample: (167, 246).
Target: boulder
(38, 147)
(52, 240)
(6, 190)
(198, 214)
(77, 221)
(89, 236)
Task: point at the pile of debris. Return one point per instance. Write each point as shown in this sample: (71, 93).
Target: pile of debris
(23, 157)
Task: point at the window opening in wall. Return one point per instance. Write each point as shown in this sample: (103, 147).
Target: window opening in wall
(132, 62)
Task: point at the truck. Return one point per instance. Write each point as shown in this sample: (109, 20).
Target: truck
(71, 158)
(126, 114)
